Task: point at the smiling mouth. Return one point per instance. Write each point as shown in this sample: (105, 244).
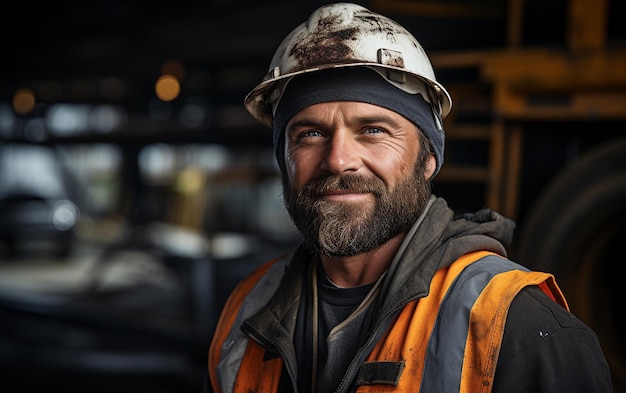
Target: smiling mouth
(347, 187)
(344, 195)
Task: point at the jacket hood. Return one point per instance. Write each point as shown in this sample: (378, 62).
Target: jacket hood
(436, 240)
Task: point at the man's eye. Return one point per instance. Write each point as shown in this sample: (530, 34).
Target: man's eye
(309, 134)
(373, 130)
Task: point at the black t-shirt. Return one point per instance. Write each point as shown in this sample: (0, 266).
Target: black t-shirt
(335, 305)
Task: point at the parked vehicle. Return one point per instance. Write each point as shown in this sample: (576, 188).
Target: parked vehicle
(37, 213)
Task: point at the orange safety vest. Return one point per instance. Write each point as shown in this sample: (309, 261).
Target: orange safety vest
(448, 341)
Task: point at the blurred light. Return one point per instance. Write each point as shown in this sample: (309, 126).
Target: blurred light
(23, 101)
(30, 167)
(157, 161)
(190, 180)
(71, 119)
(65, 215)
(65, 119)
(167, 87)
(105, 118)
(230, 245)
(211, 158)
(179, 241)
(161, 161)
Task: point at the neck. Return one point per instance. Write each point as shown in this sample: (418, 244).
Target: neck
(361, 269)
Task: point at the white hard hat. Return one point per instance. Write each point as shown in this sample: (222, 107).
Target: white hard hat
(349, 35)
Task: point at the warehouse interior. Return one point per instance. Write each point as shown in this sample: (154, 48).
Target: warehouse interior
(136, 191)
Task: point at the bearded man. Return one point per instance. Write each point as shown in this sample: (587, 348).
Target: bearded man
(388, 291)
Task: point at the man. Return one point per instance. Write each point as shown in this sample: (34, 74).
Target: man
(388, 291)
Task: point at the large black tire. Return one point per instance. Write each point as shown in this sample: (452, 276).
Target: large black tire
(576, 230)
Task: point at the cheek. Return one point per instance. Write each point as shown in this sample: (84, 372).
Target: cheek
(392, 167)
(300, 168)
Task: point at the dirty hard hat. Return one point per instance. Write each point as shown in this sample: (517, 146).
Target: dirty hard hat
(346, 35)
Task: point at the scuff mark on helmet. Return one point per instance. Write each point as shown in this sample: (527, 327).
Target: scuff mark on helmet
(327, 47)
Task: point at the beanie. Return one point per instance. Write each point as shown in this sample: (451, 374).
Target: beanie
(354, 84)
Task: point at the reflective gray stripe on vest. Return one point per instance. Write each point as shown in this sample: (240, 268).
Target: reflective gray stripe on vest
(236, 342)
(446, 345)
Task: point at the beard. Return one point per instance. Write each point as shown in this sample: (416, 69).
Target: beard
(341, 229)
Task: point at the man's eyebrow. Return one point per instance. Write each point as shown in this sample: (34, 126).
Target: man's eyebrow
(304, 122)
(365, 119)
(377, 119)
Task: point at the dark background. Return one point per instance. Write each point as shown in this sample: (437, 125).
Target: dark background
(178, 200)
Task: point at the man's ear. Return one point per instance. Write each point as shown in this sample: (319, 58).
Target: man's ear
(431, 165)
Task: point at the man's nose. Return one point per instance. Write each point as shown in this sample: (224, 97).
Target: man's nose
(341, 154)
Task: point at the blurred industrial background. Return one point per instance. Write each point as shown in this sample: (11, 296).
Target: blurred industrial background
(135, 191)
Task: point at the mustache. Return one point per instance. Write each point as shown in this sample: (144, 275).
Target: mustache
(350, 182)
